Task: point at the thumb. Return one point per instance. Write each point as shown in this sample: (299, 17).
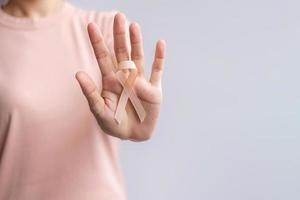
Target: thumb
(91, 92)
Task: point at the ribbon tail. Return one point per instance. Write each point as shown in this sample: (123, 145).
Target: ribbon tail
(122, 103)
(140, 111)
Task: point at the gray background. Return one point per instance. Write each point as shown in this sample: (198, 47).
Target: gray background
(230, 124)
(229, 127)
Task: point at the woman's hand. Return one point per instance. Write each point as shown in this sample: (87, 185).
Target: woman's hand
(103, 103)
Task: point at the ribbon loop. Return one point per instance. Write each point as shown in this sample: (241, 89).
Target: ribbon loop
(128, 93)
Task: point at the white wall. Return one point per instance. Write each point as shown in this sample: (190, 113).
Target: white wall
(230, 124)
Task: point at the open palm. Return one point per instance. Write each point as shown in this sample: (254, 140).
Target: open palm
(103, 102)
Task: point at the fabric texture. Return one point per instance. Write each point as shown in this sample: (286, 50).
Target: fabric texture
(51, 147)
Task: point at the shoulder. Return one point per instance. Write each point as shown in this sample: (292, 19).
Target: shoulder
(103, 18)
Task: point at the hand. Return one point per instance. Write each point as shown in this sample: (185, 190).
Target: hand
(148, 91)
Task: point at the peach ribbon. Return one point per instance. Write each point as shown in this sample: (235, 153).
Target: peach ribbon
(128, 93)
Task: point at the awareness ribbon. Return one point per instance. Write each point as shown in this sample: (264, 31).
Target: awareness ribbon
(128, 92)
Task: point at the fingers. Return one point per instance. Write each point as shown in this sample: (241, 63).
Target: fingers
(91, 92)
(137, 52)
(101, 51)
(157, 67)
(120, 43)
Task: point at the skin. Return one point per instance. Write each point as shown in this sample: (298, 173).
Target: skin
(32, 8)
(149, 91)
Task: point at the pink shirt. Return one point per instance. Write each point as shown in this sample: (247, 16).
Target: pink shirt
(51, 147)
